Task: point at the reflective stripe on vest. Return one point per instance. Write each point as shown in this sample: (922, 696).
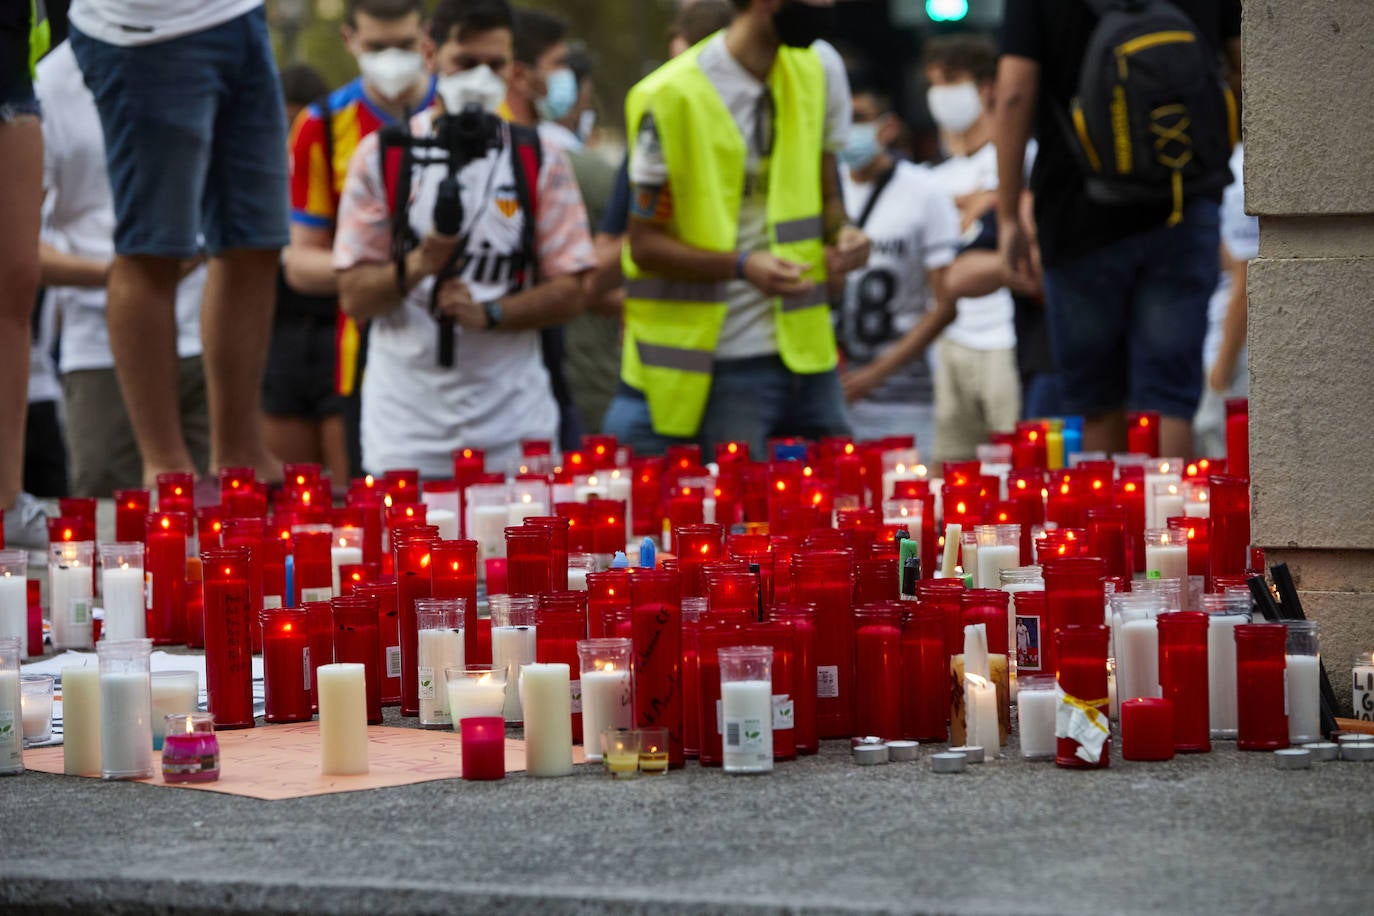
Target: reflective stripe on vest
(681, 358)
(674, 290)
(806, 229)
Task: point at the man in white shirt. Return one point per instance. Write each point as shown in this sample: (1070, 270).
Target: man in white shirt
(977, 386)
(894, 308)
(496, 393)
(76, 252)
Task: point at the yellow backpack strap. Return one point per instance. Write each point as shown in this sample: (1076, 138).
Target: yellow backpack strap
(40, 34)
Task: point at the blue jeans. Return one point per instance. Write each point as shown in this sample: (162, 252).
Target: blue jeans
(195, 139)
(1041, 395)
(751, 400)
(1127, 321)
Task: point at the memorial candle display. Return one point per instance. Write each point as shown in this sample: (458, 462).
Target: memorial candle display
(228, 650)
(439, 647)
(1183, 677)
(80, 721)
(1303, 664)
(746, 702)
(126, 729)
(286, 664)
(122, 591)
(14, 597)
(343, 720)
(1261, 701)
(657, 632)
(356, 642)
(607, 698)
(513, 644)
(70, 593)
(548, 719)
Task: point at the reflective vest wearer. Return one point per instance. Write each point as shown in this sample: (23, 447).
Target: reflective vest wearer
(672, 326)
(40, 34)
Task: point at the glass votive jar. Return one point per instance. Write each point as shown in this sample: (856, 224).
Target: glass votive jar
(1147, 729)
(172, 692)
(1081, 668)
(439, 647)
(1261, 708)
(122, 590)
(607, 689)
(513, 643)
(483, 747)
(1036, 706)
(35, 701)
(653, 751)
(878, 668)
(474, 692)
(190, 750)
(746, 692)
(286, 664)
(11, 708)
(1302, 660)
(126, 729)
(580, 565)
(14, 597)
(70, 593)
(999, 548)
(620, 752)
(1183, 677)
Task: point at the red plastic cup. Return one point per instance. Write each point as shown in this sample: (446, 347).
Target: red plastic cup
(1082, 674)
(1261, 686)
(286, 664)
(1147, 729)
(1183, 677)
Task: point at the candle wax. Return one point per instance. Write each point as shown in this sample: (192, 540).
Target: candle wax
(1035, 713)
(343, 719)
(122, 596)
(606, 703)
(747, 720)
(81, 721)
(513, 648)
(14, 611)
(126, 731)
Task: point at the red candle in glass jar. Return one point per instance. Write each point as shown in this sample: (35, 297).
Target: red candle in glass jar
(402, 485)
(286, 664)
(165, 571)
(802, 620)
(131, 515)
(209, 527)
(356, 642)
(233, 479)
(248, 533)
(414, 580)
(1230, 538)
(944, 595)
(483, 747)
(195, 605)
(558, 529)
(645, 488)
(1238, 437)
(1107, 539)
(1130, 496)
(1183, 677)
(1142, 432)
(607, 592)
(696, 545)
(1073, 595)
(1261, 686)
(320, 624)
(1062, 506)
(228, 652)
(176, 492)
(579, 526)
(925, 675)
(1032, 632)
(608, 525)
(314, 574)
(388, 639)
(373, 513)
(732, 594)
(657, 634)
(826, 579)
(1081, 668)
(560, 622)
(528, 561)
(711, 638)
(454, 568)
(1147, 729)
(273, 552)
(875, 580)
(878, 672)
(781, 638)
(1196, 533)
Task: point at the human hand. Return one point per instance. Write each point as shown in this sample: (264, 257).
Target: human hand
(432, 254)
(858, 384)
(455, 301)
(850, 251)
(773, 276)
(1013, 244)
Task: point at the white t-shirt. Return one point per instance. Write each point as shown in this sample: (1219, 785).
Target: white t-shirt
(78, 216)
(1240, 235)
(914, 227)
(414, 411)
(748, 329)
(983, 322)
(146, 22)
(558, 135)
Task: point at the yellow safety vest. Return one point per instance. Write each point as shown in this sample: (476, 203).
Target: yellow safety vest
(40, 33)
(672, 326)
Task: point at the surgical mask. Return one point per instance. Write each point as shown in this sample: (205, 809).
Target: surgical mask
(861, 147)
(560, 96)
(477, 86)
(956, 107)
(391, 72)
(799, 24)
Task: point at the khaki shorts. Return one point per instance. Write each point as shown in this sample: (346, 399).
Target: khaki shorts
(976, 392)
(101, 452)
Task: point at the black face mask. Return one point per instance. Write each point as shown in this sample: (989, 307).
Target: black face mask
(800, 24)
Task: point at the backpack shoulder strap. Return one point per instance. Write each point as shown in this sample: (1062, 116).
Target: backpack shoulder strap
(327, 123)
(528, 152)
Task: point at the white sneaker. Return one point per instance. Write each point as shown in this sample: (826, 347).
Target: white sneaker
(26, 525)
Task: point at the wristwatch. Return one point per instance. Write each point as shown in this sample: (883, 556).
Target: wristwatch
(493, 312)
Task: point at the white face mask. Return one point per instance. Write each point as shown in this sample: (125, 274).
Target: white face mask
(391, 72)
(956, 107)
(479, 86)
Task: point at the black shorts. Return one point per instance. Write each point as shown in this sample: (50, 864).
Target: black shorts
(299, 381)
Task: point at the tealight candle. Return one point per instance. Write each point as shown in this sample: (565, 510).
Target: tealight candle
(620, 752)
(190, 750)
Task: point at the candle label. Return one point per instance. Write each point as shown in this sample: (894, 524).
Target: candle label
(575, 696)
(1363, 694)
(1028, 656)
(827, 681)
(393, 661)
(322, 593)
(190, 766)
(81, 611)
(305, 668)
(148, 590)
(744, 734)
(7, 732)
(783, 712)
(426, 681)
(271, 602)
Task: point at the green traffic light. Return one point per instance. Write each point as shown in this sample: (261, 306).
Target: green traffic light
(946, 10)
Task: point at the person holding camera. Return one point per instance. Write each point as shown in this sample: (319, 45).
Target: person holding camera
(460, 241)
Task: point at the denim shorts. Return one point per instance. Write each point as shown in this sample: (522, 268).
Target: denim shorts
(195, 139)
(16, 83)
(1127, 320)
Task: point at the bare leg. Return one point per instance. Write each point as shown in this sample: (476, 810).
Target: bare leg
(1176, 437)
(21, 200)
(140, 313)
(1105, 432)
(235, 326)
(334, 449)
(292, 439)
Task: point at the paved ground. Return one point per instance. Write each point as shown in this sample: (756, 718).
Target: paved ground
(1220, 833)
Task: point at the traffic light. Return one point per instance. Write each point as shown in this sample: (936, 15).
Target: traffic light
(946, 10)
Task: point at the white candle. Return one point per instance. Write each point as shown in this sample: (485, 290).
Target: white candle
(548, 720)
(577, 579)
(980, 699)
(1035, 712)
(14, 611)
(512, 647)
(342, 690)
(746, 711)
(438, 649)
(446, 520)
(1137, 660)
(37, 711)
(606, 703)
(951, 558)
(487, 526)
(992, 560)
(969, 566)
(1152, 517)
(526, 507)
(11, 724)
(70, 588)
(172, 692)
(342, 556)
(1304, 698)
(1170, 560)
(123, 596)
(126, 729)
(81, 721)
(1169, 503)
(471, 698)
(1362, 695)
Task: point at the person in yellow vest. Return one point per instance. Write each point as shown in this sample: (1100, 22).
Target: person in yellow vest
(737, 220)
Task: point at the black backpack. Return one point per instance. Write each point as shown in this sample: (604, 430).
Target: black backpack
(1152, 120)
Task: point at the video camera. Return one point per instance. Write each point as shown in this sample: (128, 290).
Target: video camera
(458, 139)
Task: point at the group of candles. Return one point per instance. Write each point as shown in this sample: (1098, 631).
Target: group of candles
(810, 596)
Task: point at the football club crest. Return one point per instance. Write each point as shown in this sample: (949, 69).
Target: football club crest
(507, 201)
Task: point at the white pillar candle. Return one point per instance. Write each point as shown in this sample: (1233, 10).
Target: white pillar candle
(471, 698)
(1304, 698)
(526, 507)
(980, 699)
(342, 556)
(951, 556)
(548, 719)
(446, 520)
(11, 724)
(343, 719)
(14, 611)
(1137, 660)
(1170, 560)
(126, 729)
(487, 526)
(992, 560)
(512, 647)
(122, 595)
(438, 649)
(606, 703)
(81, 721)
(172, 692)
(970, 560)
(746, 712)
(1035, 712)
(1221, 673)
(70, 591)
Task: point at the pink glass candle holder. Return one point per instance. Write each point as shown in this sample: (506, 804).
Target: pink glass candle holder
(190, 750)
(1183, 677)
